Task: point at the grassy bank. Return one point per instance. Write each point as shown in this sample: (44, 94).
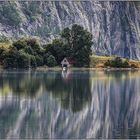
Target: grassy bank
(99, 61)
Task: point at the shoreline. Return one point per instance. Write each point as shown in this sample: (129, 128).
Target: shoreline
(72, 68)
(84, 68)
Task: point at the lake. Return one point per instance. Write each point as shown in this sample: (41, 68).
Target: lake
(73, 104)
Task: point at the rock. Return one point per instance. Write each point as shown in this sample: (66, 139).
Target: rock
(115, 25)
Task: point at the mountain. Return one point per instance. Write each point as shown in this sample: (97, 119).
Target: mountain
(115, 25)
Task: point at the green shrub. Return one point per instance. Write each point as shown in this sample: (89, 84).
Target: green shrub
(117, 62)
(126, 64)
(20, 44)
(51, 62)
(134, 66)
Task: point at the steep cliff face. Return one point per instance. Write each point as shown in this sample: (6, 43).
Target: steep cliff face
(115, 25)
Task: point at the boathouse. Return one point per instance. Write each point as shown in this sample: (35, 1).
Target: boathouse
(67, 62)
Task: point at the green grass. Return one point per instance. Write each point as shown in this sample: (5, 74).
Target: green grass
(99, 61)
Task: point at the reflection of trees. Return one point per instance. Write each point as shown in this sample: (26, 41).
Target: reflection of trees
(21, 83)
(73, 93)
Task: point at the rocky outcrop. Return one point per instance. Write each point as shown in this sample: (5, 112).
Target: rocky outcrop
(115, 25)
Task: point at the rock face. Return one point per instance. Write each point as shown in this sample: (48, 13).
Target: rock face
(115, 25)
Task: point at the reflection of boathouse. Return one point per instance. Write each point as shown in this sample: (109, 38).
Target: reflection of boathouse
(66, 75)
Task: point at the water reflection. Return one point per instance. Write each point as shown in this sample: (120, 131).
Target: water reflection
(118, 102)
(72, 89)
(77, 104)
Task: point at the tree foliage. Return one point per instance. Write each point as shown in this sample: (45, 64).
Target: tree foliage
(78, 42)
(23, 53)
(55, 49)
(74, 42)
(51, 61)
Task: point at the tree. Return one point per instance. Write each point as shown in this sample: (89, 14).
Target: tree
(3, 52)
(30, 49)
(10, 58)
(75, 42)
(66, 34)
(30, 45)
(51, 62)
(32, 61)
(23, 59)
(34, 44)
(39, 60)
(20, 44)
(79, 42)
(56, 48)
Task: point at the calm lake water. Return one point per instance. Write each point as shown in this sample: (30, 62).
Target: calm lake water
(76, 104)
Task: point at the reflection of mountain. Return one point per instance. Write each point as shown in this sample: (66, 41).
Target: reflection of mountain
(116, 103)
(103, 104)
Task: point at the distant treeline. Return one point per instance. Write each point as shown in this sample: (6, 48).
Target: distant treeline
(74, 42)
